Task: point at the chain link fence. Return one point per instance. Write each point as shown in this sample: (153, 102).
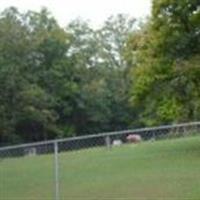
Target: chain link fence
(50, 170)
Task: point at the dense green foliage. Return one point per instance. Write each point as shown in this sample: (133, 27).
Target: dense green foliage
(160, 170)
(166, 77)
(59, 82)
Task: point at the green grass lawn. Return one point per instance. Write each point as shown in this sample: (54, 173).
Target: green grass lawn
(164, 170)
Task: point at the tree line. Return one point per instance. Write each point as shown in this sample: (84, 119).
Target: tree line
(59, 82)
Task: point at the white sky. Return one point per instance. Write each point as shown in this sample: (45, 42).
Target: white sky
(94, 11)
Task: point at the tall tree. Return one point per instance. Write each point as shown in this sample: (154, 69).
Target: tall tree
(112, 39)
(32, 44)
(165, 81)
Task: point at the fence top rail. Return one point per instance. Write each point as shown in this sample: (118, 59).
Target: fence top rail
(139, 130)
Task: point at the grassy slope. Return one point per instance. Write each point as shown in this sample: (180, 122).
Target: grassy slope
(167, 169)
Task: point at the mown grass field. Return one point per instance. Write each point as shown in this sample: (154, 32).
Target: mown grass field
(164, 170)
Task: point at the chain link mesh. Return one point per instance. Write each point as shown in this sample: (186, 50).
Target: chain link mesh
(27, 172)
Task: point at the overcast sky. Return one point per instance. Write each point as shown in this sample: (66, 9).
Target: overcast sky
(96, 11)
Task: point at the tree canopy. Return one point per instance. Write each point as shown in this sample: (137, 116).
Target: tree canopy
(59, 82)
(166, 79)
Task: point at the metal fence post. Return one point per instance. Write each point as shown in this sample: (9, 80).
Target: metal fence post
(56, 168)
(108, 141)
